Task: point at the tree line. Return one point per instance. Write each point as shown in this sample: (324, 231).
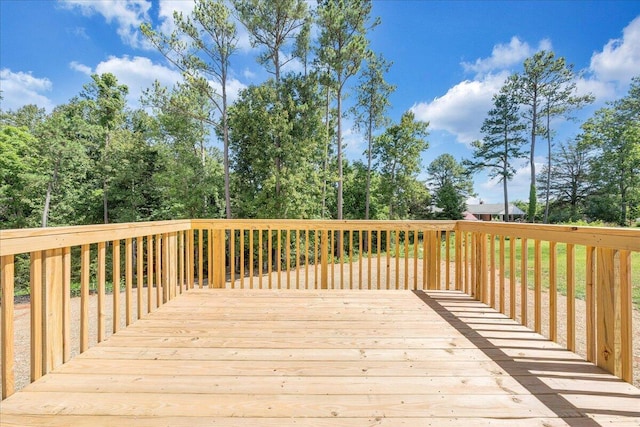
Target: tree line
(95, 159)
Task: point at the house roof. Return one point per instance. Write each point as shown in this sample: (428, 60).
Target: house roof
(493, 209)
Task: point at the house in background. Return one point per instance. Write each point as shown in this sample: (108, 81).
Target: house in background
(491, 211)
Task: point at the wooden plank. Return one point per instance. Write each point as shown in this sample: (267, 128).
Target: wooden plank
(626, 318)
(140, 272)
(292, 405)
(608, 311)
(66, 304)
(85, 266)
(116, 278)
(7, 275)
(590, 324)
(512, 277)
(501, 277)
(128, 282)
(323, 260)
(53, 321)
(571, 298)
(28, 240)
(102, 266)
(524, 289)
(605, 237)
(537, 283)
(159, 268)
(553, 293)
(36, 314)
(200, 258)
(150, 268)
(196, 421)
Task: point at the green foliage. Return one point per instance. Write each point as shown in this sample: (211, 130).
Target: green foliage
(19, 165)
(613, 136)
(274, 26)
(275, 126)
(342, 47)
(370, 110)
(397, 153)
(546, 89)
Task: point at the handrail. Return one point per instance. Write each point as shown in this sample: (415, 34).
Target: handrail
(489, 261)
(606, 256)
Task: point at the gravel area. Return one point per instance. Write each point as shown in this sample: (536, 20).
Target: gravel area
(22, 311)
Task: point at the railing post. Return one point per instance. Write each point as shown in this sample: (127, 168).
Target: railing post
(608, 328)
(216, 271)
(53, 306)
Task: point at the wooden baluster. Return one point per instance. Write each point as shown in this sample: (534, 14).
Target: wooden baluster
(7, 273)
(115, 279)
(553, 293)
(537, 283)
(571, 298)
(591, 304)
(36, 314)
(524, 290)
(128, 281)
(85, 268)
(102, 255)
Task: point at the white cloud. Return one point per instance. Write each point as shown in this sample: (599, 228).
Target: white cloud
(84, 69)
(248, 74)
(619, 60)
(463, 108)
(504, 56)
(19, 89)
(128, 15)
(138, 73)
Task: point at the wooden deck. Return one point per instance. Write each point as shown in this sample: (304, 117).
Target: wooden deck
(325, 358)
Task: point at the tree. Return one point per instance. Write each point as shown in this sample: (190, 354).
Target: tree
(275, 26)
(559, 99)
(19, 164)
(544, 88)
(107, 100)
(372, 95)
(397, 153)
(502, 142)
(613, 133)
(446, 170)
(342, 47)
(290, 112)
(63, 139)
(201, 47)
(568, 181)
(451, 201)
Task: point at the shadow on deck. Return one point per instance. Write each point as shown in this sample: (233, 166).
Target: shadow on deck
(325, 358)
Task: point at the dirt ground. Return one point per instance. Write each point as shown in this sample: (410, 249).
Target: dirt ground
(348, 273)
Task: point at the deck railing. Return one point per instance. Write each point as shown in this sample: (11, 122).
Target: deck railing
(147, 264)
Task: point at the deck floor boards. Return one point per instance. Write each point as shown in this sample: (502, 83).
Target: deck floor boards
(325, 358)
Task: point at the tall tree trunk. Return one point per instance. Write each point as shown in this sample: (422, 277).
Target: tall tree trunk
(326, 158)
(105, 202)
(47, 199)
(532, 189)
(339, 142)
(225, 137)
(506, 199)
(546, 204)
(368, 189)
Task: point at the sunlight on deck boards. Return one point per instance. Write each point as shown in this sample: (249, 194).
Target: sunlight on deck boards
(325, 358)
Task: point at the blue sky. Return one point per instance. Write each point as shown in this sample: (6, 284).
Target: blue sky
(449, 58)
